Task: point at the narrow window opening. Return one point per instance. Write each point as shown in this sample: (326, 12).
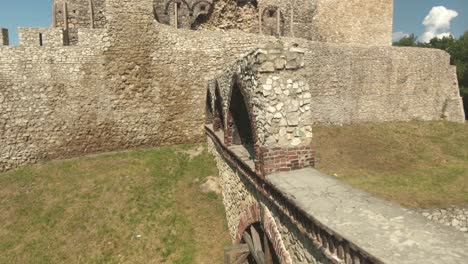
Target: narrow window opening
(41, 43)
(271, 13)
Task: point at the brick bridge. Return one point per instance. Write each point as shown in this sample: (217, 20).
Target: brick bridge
(280, 209)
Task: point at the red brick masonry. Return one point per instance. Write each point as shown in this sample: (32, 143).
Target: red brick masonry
(286, 159)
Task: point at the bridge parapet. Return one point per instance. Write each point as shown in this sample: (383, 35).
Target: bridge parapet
(310, 217)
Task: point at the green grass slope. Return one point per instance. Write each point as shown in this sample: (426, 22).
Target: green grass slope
(131, 207)
(418, 164)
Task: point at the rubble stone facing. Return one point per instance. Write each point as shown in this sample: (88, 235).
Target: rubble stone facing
(339, 21)
(118, 85)
(51, 102)
(453, 216)
(305, 239)
(355, 21)
(240, 200)
(36, 37)
(78, 13)
(277, 100)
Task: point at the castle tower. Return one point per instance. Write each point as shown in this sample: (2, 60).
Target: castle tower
(74, 14)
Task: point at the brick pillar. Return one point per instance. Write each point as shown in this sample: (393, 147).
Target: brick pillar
(286, 159)
(4, 38)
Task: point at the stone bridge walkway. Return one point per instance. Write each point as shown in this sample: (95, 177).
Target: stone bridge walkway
(385, 230)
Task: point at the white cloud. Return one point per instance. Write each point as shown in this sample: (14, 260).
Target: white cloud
(399, 35)
(437, 23)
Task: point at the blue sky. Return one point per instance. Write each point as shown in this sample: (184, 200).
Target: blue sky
(409, 15)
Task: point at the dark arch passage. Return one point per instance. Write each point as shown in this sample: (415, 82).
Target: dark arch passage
(240, 121)
(209, 109)
(218, 114)
(260, 247)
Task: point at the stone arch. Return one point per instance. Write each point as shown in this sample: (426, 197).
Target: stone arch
(184, 13)
(199, 2)
(269, 21)
(203, 14)
(166, 8)
(208, 108)
(218, 115)
(240, 125)
(260, 217)
(242, 3)
(155, 14)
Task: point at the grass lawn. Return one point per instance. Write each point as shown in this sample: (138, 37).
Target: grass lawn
(418, 164)
(130, 207)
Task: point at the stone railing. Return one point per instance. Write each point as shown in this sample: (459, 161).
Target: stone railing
(345, 225)
(334, 247)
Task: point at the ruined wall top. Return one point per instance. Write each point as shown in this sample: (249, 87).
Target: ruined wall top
(340, 21)
(71, 15)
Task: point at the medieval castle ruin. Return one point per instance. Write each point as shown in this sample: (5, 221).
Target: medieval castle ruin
(254, 76)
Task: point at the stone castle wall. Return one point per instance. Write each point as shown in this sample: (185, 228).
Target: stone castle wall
(139, 83)
(350, 84)
(78, 14)
(109, 92)
(51, 101)
(355, 21)
(351, 21)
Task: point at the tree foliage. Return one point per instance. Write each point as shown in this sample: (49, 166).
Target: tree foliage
(458, 50)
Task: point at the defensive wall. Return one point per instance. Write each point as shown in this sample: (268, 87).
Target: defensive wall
(140, 83)
(352, 21)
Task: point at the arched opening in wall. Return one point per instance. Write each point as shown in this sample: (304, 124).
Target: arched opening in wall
(273, 21)
(218, 118)
(240, 123)
(260, 248)
(208, 109)
(242, 3)
(201, 19)
(202, 10)
(155, 14)
(178, 13)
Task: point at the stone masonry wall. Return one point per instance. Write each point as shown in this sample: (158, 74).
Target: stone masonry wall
(80, 14)
(50, 104)
(351, 84)
(36, 37)
(279, 117)
(355, 21)
(110, 92)
(239, 196)
(139, 83)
